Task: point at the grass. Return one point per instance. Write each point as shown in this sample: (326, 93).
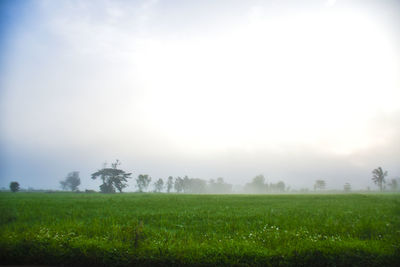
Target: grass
(170, 229)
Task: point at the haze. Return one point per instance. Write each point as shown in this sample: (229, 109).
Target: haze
(208, 89)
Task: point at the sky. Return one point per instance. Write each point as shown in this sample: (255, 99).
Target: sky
(294, 90)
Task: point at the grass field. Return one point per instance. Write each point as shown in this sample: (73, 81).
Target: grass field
(162, 229)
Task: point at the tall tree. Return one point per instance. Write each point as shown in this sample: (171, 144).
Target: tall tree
(378, 176)
(71, 182)
(159, 185)
(14, 187)
(178, 185)
(143, 182)
(112, 178)
(170, 184)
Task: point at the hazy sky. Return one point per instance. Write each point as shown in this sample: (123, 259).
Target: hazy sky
(294, 90)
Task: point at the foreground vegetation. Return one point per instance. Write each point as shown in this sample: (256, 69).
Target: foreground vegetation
(170, 229)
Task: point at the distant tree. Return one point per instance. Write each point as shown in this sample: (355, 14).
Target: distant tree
(159, 185)
(14, 187)
(170, 184)
(219, 186)
(222, 187)
(178, 185)
(197, 186)
(278, 187)
(393, 185)
(71, 182)
(259, 180)
(112, 178)
(192, 185)
(319, 185)
(378, 176)
(347, 187)
(257, 185)
(213, 187)
(143, 182)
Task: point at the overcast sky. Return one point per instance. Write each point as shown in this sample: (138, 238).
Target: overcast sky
(294, 90)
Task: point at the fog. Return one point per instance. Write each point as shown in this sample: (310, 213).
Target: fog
(232, 89)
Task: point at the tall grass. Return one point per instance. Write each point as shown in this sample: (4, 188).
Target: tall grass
(171, 229)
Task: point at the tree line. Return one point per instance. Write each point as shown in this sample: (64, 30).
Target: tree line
(115, 179)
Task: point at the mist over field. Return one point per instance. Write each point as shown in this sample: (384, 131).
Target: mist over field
(232, 89)
(199, 133)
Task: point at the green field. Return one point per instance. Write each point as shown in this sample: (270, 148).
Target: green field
(171, 229)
